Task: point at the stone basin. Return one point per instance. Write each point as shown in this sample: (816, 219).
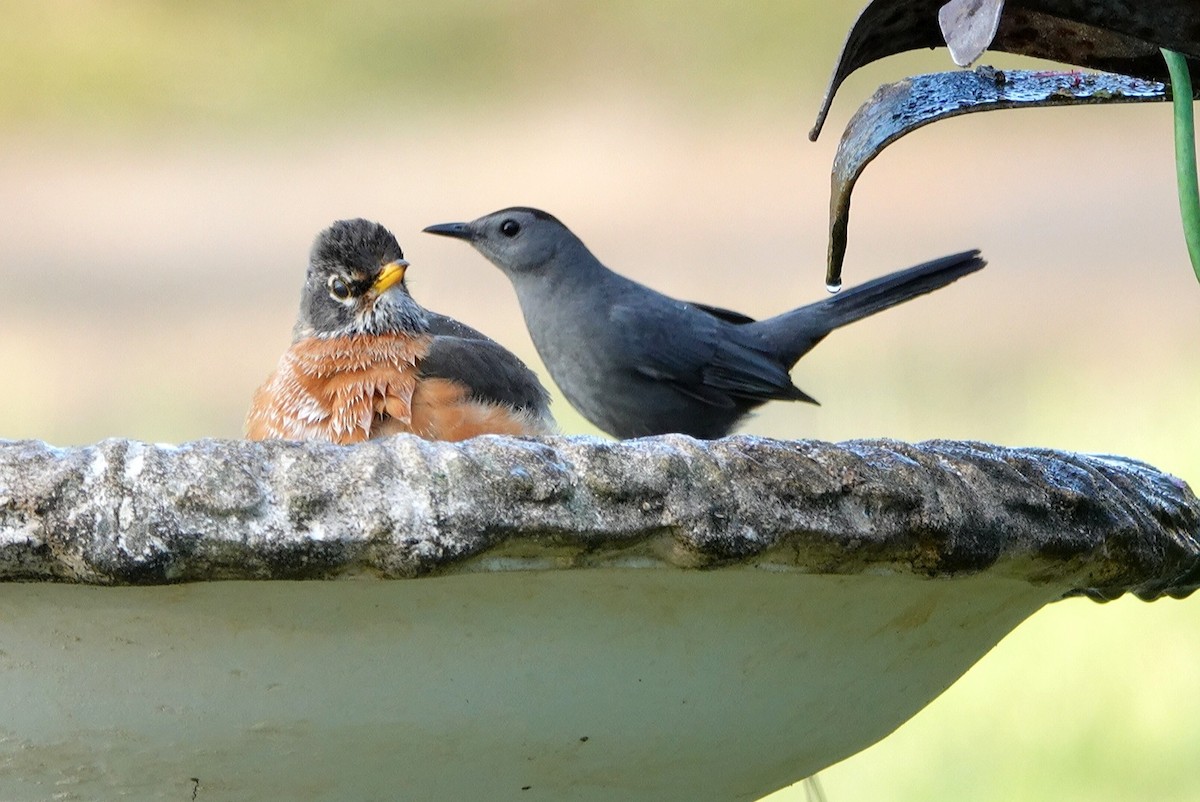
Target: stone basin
(564, 618)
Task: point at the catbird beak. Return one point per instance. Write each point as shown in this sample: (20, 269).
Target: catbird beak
(456, 230)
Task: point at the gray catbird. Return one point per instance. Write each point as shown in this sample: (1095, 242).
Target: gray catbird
(635, 362)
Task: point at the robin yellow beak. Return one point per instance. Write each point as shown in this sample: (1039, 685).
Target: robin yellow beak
(391, 274)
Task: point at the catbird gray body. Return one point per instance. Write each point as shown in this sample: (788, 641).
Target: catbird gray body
(636, 362)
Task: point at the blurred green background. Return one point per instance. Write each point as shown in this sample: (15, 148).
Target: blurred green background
(164, 167)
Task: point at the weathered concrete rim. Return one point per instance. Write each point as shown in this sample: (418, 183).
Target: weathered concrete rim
(124, 512)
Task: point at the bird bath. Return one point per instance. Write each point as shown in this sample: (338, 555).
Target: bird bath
(564, 618)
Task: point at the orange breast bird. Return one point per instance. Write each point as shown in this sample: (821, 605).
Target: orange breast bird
(367, 360)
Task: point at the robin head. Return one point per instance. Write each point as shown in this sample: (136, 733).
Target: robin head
(355, 284)
(519, 240)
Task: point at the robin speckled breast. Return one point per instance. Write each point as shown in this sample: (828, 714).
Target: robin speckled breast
(367, 360)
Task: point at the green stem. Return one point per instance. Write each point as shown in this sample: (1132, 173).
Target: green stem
(1185, 154)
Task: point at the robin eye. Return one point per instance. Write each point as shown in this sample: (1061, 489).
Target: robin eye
(510, 228)
(338, 288)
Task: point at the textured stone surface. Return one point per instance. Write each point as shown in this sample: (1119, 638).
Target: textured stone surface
(125, 512)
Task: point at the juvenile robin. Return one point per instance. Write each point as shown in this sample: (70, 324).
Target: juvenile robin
(636, 362)
(367, 361)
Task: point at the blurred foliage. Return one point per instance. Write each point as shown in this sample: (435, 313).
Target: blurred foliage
(1185, 153)
(223, 63)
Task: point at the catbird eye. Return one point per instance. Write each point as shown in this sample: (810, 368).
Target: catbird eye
(338, 288)
(510, 228)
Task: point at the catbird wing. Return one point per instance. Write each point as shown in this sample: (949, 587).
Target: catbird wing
(746, 370)
(728, 315)
(703, 356)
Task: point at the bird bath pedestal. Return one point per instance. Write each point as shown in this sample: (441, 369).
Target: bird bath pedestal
(517, 619)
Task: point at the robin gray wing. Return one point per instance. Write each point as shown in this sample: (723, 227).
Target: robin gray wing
(490, 372)
(443, 325)
(704, 356)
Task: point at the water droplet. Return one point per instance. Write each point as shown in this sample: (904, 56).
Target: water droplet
(834, 287)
